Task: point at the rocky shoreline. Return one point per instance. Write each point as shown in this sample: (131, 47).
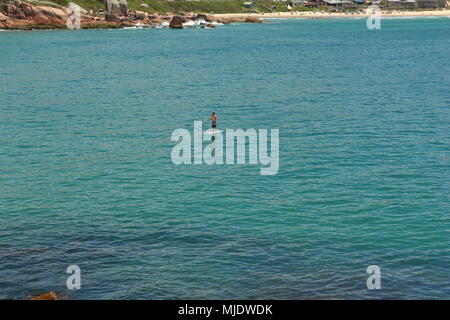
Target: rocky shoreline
(36, 14)
(21, 15)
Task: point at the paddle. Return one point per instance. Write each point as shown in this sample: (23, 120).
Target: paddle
(206, 121)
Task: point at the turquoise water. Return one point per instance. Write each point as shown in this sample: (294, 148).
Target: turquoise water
(87, 179)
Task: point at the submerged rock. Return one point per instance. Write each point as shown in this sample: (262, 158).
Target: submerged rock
(253, 20)
(239, 19)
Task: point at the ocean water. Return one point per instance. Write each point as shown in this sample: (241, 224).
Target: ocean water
(86, 176)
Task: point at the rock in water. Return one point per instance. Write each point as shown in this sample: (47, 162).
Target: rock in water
(253, 20)
(204, 17)
(176, 22)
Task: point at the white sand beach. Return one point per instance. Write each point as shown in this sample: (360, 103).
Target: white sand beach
(322, 14)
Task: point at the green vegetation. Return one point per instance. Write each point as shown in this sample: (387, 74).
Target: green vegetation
(204, 6)
(61, 2)
(88, 4)
(101, 26)
(53, 3)
(180, 7)
(187, 6)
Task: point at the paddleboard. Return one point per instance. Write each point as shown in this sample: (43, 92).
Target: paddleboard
(212, 131)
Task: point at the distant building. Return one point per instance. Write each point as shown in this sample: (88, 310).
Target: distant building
(409, 3)
(422, 4)
(430, 3)
(394, 3)
(338, 3)
(297, 3)
(332, 3)
(315, 3)
(353, 3)
(249, 5)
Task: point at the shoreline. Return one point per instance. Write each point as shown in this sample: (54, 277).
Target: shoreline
(319, 15)
(25, 16)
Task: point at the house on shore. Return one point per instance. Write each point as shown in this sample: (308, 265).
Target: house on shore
(419, 4)
(431, 4)
(339, 3)
(323, 3)
(298, 3)
(411, 4)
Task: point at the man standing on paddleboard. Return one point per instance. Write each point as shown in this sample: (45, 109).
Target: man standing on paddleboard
(213, 119)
